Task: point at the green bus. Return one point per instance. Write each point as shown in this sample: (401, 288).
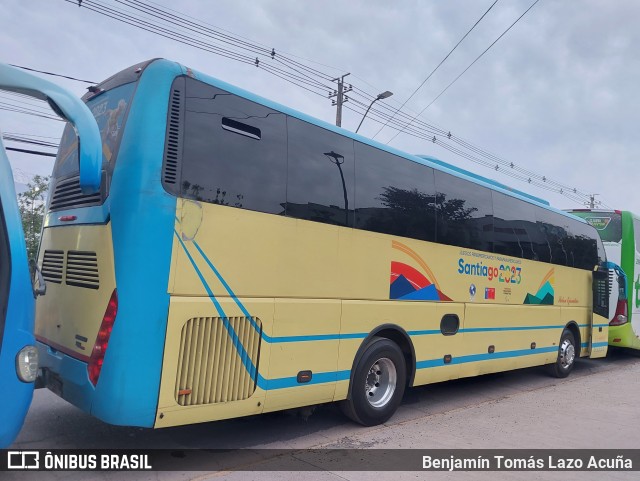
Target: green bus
(617, 229)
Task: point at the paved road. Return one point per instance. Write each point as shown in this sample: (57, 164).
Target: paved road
(596, 407)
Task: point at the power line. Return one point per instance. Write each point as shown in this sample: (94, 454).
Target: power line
(34, 152)
(27, 112)
(168, 30)
(470, 65)
(178, 27)
(29, 135)
(281, 53)
(438, 66)
(53, 74)
(520, 174)
(27, 140)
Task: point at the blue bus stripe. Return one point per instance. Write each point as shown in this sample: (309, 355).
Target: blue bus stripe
(266, 337)
(427, 332)
(316, 337)
(242, 353)
(228, 288)
(513, 328)
(484, 357)
(316, 378)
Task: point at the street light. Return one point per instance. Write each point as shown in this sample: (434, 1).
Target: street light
(338, 159)
(383, 95)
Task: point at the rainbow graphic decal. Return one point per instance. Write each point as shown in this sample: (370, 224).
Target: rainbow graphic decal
(545, 294)
(408, 283)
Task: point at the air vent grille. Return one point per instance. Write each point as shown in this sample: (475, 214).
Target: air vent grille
(210, 367)
(52, 266)
(82, 270)
(68, 195)
(173, 142)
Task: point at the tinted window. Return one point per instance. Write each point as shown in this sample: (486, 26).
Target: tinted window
(394, 195)
(320, 174)
(554, 230)
(608, 224)
(234, 151)
(464, 213)
(514, 226)
(584, 246)
(110, 110)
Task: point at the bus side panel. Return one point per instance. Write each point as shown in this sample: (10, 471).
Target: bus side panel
(305, 338)
(142, 216)
(502, 337)
(193, 389)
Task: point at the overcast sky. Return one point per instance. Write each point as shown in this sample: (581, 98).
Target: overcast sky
(556, 95)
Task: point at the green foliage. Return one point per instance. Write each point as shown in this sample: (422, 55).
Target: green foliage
(32, 206)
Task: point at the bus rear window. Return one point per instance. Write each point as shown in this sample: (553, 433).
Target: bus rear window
(608, 224)
(110, 109)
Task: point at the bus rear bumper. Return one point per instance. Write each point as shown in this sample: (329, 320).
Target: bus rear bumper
(623, 336)
(68, 378)
(65, 376)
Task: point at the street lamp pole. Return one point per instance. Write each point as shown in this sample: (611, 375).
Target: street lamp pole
(383, 95)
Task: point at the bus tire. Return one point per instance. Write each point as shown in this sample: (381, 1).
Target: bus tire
(566, 356)
(377, 385)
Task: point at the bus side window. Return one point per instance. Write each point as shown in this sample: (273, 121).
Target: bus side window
(394, 196)
(320, 174)
(585, 244)
(514, 220)
(464, 213)
(235, 151)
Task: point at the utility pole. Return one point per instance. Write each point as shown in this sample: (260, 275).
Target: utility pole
(340, 96)
(592, 201)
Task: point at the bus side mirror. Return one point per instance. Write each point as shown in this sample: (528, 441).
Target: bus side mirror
(622, 282)
(37, 279)
(71, 109)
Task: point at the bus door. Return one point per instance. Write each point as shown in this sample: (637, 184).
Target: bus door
(18, 354)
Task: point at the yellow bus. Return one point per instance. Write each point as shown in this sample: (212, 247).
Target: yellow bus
(242, 258)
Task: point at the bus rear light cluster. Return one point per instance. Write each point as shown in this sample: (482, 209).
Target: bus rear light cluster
(102, 340)
(620, 316)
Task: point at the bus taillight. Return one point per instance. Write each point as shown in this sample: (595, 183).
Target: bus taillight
(102, 340)
(620, 316)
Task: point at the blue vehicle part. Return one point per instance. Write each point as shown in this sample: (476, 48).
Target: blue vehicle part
(70, 108)
(16, 308)
(623, 289)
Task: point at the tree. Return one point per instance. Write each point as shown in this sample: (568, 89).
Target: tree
(32, 205)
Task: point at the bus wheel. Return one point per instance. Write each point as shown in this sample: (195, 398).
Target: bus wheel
(378, 383)
(566, 356)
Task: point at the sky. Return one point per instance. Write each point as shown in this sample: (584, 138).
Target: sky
(556, 95)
